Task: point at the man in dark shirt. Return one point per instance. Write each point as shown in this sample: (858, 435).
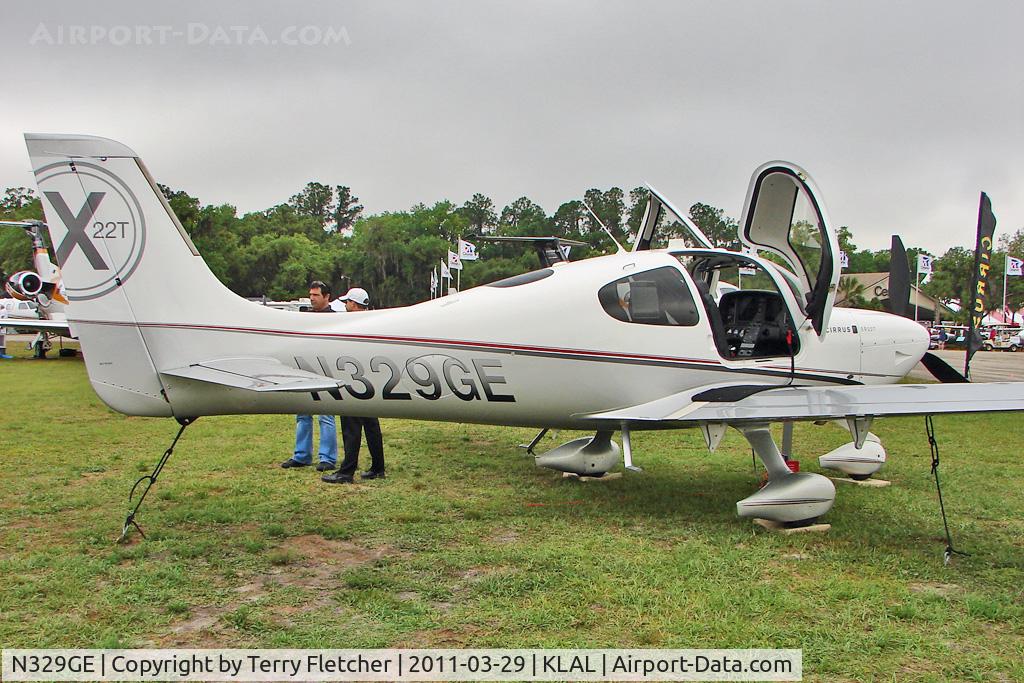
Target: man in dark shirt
(352, 427)
(319, 302)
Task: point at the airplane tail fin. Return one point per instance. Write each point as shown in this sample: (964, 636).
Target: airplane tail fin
(128, 265)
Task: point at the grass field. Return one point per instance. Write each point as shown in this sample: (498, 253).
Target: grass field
(467, 543)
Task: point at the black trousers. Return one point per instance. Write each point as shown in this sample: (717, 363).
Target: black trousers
(351, 437)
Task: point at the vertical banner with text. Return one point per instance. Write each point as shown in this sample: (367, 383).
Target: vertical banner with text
(982, 265)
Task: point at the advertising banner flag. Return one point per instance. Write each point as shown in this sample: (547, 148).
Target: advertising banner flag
(564, 248)
(454, 262)
(924, 263)
(467, 251)
(982, 264)
(844, 260)
(433, 280)
(445, 273)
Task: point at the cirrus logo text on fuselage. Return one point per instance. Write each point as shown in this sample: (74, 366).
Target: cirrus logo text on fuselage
(105, 227)
(430, 377)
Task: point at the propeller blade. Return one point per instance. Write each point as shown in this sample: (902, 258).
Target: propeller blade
(941, 370)
(899, 278)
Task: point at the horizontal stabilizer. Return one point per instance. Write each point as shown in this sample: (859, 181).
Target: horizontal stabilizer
(255, 374)
(823, 402)
(55, 326)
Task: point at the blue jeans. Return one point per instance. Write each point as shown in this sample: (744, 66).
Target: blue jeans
(304, 439)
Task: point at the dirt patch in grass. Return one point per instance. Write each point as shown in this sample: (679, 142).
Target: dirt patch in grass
(441, 637)
(200, 621)
(316, 562)
(504, 537)
(86, 478)
(26, 523)
(481, 572)
(934, 588)
(311, 563)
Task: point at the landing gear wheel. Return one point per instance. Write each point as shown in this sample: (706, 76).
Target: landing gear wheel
(860, 477)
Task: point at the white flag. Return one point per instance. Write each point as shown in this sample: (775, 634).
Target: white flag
(454, 262)
(844, 260)
(1014, 266)
(924, 263)
(433, 280)
(445, 273)
(467, 251)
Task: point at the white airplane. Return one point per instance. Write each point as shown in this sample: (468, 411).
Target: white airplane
(42, 288)
(19, 310)
(617, 343)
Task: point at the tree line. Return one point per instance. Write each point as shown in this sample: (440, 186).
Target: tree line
(321, 232)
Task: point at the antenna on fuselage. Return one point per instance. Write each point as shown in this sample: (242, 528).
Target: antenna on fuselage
(605, 227)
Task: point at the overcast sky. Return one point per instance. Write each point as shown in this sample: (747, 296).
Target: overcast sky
(901, 111)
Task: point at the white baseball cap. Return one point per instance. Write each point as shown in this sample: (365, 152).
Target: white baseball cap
(358, 295)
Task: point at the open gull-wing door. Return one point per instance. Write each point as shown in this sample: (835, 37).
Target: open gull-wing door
(784, 215)
(662, 215)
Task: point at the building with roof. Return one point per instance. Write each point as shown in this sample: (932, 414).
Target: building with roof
(876, 288)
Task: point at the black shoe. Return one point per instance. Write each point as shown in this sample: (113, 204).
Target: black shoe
(370, 474)
(292, 462)
(324, 466)
(337, 478)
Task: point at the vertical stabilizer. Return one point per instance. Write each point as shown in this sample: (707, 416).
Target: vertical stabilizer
(124, 258)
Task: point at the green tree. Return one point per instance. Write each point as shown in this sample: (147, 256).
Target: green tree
(479, 214)
(316, 200)
(1013, 245)
(716, 226)
(610, 207)
(951, 279)
(346, 210)
(185, 206)
(522, 217)
(18, 204)
(638, 197)
(15, 199)
(285, 264)
(569, 220)
(851, 293)
(391, 254)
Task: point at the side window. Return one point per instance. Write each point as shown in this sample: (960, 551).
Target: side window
(654, 297)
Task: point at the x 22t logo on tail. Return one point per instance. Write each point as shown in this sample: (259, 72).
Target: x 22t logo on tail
(105, 237)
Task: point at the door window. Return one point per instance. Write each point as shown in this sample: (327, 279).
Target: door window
(653, 297)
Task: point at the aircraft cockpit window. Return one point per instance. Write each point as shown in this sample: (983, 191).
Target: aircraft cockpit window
(653, 297)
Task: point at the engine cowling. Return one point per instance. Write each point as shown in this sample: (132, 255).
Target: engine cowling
(24, 285)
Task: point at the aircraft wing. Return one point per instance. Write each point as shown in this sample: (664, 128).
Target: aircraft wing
(255, 374)
(53, 326)
(733, 404)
